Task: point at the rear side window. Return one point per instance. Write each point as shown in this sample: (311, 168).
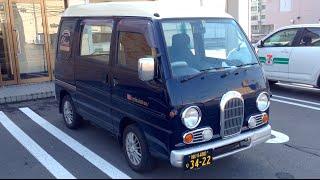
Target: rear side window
(132, 47)
(96, 39)
(283, 38)
(311, 37)
(65, 42)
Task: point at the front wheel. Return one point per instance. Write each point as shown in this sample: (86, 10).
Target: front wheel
(136, 150)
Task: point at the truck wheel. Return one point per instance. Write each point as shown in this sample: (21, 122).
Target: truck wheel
(70, 116)
(136, 150)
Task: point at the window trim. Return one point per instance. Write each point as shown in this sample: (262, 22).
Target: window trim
(96, 22)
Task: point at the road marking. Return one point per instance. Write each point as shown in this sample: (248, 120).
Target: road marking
(55, 168)
(279, 138)
(297, 100)
(295, 104)
(83, 151)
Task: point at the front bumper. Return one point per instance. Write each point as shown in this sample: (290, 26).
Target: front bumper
(256, 137)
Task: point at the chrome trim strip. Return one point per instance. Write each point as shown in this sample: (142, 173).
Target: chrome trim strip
(66, 85)
(256, 136)
(268, 102)
(184, 114)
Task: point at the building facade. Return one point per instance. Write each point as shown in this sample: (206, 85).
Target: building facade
(269, 15)
(28, 31)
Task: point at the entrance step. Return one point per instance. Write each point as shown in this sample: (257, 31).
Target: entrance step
(26, 92)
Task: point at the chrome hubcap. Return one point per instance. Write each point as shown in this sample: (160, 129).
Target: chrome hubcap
(133, 149)
(68, 112)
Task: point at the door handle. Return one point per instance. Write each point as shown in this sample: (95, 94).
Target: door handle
(115, 82)
(285, 51)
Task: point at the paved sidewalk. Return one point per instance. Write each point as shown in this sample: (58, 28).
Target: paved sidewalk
(26, 92)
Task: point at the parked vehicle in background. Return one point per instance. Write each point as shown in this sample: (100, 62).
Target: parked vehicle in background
(292, 54)
(184, 87)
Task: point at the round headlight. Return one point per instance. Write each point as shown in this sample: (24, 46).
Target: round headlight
(263, 102)
(191, 117)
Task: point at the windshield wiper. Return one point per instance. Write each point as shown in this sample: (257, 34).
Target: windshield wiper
(203, 72)
(249, 64)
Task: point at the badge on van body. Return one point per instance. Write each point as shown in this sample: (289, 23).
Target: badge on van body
(136, 100)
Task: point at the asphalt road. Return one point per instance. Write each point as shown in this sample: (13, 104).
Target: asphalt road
(36, 144)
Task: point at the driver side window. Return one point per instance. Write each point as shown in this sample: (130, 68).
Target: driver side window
(132, 47)
(283, 38)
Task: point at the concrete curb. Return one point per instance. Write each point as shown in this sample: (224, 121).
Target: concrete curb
(29, 97)
(15, 94)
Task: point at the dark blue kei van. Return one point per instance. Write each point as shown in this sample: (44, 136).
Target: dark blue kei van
(181, 85)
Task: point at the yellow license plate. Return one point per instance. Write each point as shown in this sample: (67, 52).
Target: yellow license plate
(198, 160)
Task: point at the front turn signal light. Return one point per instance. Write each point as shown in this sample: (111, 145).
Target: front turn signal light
(188, 138)
(265, 118)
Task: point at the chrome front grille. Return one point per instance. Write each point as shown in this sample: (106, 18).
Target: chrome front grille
(197, 137)
(232, 114)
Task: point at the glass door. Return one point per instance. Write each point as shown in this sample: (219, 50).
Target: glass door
(30, 40)
(7, 62)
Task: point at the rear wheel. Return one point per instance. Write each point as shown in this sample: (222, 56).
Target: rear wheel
(70, 116)
(136, 150)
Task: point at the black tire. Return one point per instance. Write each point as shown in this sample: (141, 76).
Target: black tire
(147, 161)
(74, 119)
(272, 82)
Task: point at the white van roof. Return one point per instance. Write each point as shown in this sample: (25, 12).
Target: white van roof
(140, 9)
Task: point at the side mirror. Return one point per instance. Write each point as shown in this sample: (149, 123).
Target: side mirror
(260, 44)
(146, 68)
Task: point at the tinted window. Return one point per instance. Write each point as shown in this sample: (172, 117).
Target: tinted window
(311, 37)
(66, 40)
(96, 40)
(132, 47)
(281, 39)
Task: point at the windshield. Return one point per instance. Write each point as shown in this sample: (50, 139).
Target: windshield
(198, 45)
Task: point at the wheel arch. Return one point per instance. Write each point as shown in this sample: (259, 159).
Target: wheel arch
(125, 122)
(62, 94)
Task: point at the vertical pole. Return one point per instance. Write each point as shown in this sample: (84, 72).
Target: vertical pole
(66, 4)
(201, 3)
(259, 16)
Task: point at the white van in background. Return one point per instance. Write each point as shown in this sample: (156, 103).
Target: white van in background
(292, 54)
